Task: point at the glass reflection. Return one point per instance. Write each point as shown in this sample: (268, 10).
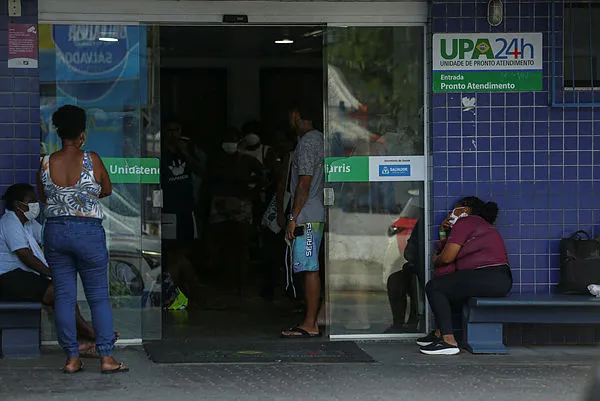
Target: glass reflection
(109, 79)
(375, 109)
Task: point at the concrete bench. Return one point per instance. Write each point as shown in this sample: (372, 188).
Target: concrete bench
(483, 318)
(20, 328)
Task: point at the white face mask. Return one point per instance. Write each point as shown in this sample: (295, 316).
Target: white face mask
(252, 140)
(230, 147)
(33, 212)
(454, 218)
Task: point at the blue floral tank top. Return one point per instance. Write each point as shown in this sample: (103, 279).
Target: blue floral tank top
(81, 199)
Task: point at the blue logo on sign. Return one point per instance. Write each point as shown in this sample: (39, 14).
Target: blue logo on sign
(85, 54)
(397, 170)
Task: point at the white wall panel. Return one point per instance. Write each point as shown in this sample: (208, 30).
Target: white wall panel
(211, 12)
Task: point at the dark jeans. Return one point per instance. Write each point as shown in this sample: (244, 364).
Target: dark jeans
(442, 292)
(78, 245)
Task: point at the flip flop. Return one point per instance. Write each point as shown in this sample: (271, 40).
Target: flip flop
(119, 369)
(301, 333)
(72, 372)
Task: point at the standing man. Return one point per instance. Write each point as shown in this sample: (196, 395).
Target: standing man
(306, 222)
(179, 165)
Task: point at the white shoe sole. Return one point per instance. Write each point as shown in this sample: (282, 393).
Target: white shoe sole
(423, 343)
(447, 351)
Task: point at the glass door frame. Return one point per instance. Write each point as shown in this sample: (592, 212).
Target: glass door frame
(140, 252)
(427, 183)
(206, 13)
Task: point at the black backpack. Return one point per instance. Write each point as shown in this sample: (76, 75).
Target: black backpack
(579, 263)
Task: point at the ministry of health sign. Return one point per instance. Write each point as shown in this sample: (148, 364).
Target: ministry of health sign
(487, 62)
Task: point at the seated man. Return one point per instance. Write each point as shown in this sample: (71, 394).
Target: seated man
(24, 273)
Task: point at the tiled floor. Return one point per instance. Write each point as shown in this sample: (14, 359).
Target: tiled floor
(401, 373)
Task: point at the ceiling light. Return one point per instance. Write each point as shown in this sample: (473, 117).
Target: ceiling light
(107, 39)
(284, 42)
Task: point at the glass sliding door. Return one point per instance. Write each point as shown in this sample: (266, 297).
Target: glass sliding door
(376, 173)
(108, 70)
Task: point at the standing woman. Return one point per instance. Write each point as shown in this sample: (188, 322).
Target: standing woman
(71, 183)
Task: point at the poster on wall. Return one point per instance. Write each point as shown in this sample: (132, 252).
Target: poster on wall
(375, 168)
(101, 68)
(487, 62)
(22, 46)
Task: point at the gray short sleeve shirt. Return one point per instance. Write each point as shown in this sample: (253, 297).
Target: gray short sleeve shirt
(309, 159)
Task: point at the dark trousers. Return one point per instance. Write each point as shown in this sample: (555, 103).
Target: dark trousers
(400, 285)
(272, 258)
(455, 288)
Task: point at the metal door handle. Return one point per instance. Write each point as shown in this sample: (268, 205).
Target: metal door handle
(157, 198)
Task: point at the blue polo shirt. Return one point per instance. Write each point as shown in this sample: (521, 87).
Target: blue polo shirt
(13, 236)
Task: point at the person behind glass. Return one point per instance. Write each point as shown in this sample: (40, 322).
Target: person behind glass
(402, 283)
(472, 263)
(71, 183)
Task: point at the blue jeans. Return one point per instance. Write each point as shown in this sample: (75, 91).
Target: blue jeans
(78, 245)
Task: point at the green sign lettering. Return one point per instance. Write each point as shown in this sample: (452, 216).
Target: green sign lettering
(453, 49)
(483, 48)
(347, 169)
(130, 170)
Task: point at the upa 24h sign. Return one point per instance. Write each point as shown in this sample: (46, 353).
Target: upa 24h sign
(487, 62)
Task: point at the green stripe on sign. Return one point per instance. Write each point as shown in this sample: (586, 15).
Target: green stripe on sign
(487, 81)
(347, 169)
(130, 170)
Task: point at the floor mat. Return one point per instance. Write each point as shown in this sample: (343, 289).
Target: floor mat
(291, 350)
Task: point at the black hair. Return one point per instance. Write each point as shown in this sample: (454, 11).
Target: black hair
(231, 134)
(69, 121)
(310, 113)
(16, 193)
(252, 127)
(486, 210)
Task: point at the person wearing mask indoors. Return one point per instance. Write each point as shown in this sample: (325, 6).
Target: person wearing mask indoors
(266, 244)
(231, 209)
(251, 144)
(479, 267)
(179, 167)
(24, 272)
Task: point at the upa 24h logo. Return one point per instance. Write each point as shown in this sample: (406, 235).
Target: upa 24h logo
(485, 53)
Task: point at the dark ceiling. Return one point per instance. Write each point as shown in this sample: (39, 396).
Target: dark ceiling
(240, 41)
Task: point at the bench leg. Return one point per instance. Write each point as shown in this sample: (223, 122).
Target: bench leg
(484, 338)
(21, 343)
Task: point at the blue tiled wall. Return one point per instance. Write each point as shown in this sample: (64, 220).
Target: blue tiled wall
(541, 164)
(19, 108)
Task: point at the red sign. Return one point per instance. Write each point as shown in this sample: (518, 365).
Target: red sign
(22, 46)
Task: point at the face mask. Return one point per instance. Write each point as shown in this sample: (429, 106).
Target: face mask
(230, 147)
(454, 218)
(33, 212)
(252, 140)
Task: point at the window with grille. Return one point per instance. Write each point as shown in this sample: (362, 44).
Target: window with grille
(581, 54)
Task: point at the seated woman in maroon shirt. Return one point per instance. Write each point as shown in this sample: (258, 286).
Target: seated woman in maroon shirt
(474, 263)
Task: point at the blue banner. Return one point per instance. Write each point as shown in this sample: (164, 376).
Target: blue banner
(103, 69)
